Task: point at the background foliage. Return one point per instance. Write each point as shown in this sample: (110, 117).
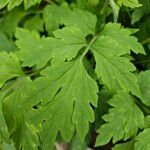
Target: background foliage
(76, 72)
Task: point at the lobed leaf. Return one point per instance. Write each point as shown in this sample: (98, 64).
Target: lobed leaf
(9, 67)
(141, 11)
(38, 51)
(17, 107)
(144, 80)
(67, 102)
(129, 119)
(13, 3)
(62, 15)
(129, 3)
(142, 140)
(111, 66)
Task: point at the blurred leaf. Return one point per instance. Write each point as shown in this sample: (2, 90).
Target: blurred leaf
(34, 23)
(5, 44)
(141, 11)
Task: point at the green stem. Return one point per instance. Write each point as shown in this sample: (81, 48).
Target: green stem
(89, 46)
(115, 9)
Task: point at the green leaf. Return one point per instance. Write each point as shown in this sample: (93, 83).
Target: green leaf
(121, 38)
(10, 21)
(144, 31)
(17, 110)
(77, 144)
(66, 71)
(6, 146)
(53, 15)
(67, 102)
(141, 11)
(111, 66)
(62, 15)
(102, 108)
(143, 140)
(125, 146)
(129, 3)
(144, 80)
(147, 122)
(4, 134)
(13, 3)
(5, 44)
(30, 3)
(129, 119)
(34, 23)
(3, 3)
(85, 3)
(81, 19)
(65, 45)
(9, 67)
